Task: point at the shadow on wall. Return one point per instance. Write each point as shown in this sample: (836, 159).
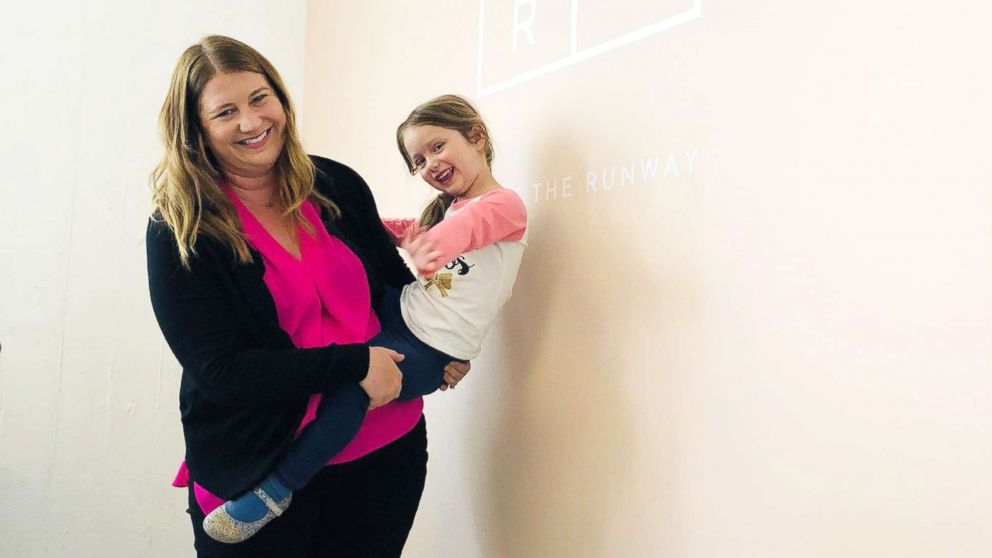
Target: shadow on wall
(562, 433)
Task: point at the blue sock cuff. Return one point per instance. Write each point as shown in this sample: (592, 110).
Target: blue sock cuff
(275, 489)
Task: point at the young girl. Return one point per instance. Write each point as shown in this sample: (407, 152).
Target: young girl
(466, 249)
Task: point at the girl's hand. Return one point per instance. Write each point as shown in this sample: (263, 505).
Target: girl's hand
(454, 372)
(410, 234)
(383, 381)
(425, 258)
(421, 251)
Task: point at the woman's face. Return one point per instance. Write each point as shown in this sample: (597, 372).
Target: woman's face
(244, 123)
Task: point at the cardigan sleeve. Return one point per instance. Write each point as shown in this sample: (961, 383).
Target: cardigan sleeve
(394, 270)
(196, 311)
(375, 240)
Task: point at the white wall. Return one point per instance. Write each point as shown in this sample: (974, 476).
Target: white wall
(783, 352)
(89, 422)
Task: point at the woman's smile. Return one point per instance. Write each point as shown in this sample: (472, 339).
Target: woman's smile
(256, 142)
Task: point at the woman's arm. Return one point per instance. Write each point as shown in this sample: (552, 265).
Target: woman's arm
(196, 311)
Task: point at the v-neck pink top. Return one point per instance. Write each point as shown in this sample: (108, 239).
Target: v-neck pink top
(321, 298)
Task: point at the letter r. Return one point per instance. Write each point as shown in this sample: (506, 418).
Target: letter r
(524, 26)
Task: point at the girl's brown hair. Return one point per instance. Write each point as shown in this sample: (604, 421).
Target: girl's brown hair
(454, 113)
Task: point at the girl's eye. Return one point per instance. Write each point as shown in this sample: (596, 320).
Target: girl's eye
(225, 113)
(417, 163)
(437, 147)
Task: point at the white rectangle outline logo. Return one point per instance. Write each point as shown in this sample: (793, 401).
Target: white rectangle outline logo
(575, 57)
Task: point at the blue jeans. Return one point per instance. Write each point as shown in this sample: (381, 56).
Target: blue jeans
(342, 411)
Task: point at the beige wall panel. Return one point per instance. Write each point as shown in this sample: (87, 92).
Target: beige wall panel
(754, 318)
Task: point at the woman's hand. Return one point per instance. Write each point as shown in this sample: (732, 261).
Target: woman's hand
(454, 372)
(383, 381)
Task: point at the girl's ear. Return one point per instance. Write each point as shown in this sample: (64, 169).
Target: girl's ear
(477, 136)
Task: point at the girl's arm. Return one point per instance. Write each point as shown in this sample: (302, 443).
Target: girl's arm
(496, 216)
(396, 228)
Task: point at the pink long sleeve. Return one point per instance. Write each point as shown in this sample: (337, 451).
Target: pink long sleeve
(395, 227)
(474, 223)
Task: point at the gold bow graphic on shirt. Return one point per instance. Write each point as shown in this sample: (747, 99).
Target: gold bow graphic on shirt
(440, 280)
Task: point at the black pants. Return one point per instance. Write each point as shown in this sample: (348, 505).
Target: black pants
(363, 508)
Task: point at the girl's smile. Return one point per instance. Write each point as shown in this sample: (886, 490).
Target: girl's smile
(445, 176)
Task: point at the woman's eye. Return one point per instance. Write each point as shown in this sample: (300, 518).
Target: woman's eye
(259, 99)
(225, 113)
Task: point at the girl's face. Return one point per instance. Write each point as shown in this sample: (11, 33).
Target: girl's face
(448, 161)
(244, 122)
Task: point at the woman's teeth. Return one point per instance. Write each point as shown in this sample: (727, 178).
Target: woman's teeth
(255, 140)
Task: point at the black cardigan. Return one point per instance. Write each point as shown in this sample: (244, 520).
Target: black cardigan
(244, 385)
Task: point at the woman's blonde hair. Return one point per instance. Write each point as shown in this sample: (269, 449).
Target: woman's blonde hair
(454, 113)
(185, 184)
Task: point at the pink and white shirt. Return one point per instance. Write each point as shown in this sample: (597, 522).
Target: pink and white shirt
(483, 241)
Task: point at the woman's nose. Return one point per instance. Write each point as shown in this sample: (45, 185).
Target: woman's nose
(249, 121)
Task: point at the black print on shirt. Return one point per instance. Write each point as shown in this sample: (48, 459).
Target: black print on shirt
(459, 262)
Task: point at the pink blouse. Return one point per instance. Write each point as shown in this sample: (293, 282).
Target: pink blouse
(321, 298)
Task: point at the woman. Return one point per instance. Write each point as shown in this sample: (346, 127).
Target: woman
(264, 265)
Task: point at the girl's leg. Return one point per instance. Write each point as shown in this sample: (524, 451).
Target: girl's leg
(338, 419)
(423, 367)
(341, 412)
(294, 535)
